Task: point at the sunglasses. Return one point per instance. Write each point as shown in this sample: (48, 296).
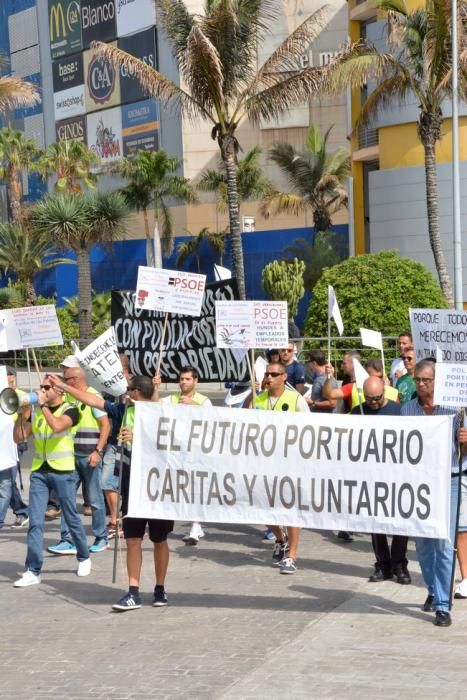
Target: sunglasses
(46, 387)
(423, 380)
(370, 399)
(286, 350)
(407, 357)
(273, 374)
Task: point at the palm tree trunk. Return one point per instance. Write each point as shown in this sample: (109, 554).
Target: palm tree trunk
(149, 244)
(15, 188)
(431, 181)
(226, 143)
(31, 296)
(84, 297)
(321, 219)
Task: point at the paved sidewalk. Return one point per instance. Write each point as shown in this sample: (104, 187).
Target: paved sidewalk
(235, 628)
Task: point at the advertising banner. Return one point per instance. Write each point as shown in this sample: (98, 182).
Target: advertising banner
(68, 72)
(64, 27)
(188, 340)
(251, 324)
(69, 103)
(104, 134)
(142, 46)
(98, 21)
(133, 15)
(331, 472)
(102, 82)
(73, 129)
(140, 127)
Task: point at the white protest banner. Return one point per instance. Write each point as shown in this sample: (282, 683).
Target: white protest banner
(29, 327)
(334, 311)
(170, 291)
(332, 472)
(221, 273)
(450, 385)
(3, 378)
(445, 328)
(103, 365)
(360, 373)
(260, 369)
(251, 324)
(372, 339)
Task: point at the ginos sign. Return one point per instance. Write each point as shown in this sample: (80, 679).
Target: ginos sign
(101, 80)
(72, 130)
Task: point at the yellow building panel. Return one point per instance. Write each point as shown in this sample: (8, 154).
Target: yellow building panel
(399, 146)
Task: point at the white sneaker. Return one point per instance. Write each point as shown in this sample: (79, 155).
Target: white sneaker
(27, 579)
(461, 589)
(196, 533)
(84, 567)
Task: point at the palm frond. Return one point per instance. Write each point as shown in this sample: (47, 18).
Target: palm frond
(283, 202)
(177, 23)
(203, 70)
(357, 66)
(15, 93)
(393, 88)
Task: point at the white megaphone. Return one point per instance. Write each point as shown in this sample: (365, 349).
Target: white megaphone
(13, 399)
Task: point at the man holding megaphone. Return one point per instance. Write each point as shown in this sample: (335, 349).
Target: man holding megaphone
(53, 467)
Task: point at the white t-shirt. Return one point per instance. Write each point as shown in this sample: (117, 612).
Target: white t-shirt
(168, 399)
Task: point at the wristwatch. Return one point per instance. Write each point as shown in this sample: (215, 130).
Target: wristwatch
(99, 452)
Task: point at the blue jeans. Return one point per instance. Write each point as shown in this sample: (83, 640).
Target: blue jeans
(109, 478)
(92, 477)
(64, 485)
(436, 558)
(17, 504)
(6, 489)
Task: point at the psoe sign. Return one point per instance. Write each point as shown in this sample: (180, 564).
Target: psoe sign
(64, 27)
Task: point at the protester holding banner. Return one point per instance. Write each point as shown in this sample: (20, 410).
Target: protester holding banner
(139, 389)
(392, 561)
(187, 396)
(276, 397)
(92, 432)
(436, 556)
(53, 467)
(461, 588)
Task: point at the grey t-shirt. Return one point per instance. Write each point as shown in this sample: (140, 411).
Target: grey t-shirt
(317, 392)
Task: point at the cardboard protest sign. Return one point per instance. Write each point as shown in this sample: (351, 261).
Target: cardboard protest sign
(372, 339)
(29, 327)
(445, 328)
(170, 291)
(450, 385)
(251, 324)
(188, 340)
(102, 364)
(332, 471)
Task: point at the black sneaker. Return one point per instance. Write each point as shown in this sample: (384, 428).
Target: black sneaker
(160, 598)
(21, 521)
(346, 536)
(127, 602)
(280, 551)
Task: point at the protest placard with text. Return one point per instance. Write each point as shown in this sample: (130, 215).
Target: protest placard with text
(251, 324)
(442, 328)
(170, 291)
(333, 472)
(29, 327)
(102, 363)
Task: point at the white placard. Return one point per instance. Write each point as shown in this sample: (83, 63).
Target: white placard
(334, 311)
(251, 324)
(29, 327)
(361, 375)
(170, 291)
(332, 472)
(8, 450)
(221, 273)
(450, 385)
(372, 339)
(3, 378)
(445, 328)
(260, 369)
(103, 365)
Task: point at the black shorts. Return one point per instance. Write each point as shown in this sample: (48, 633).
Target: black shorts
(158, 529)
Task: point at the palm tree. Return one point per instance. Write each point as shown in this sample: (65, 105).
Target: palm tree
(251, 181)
(216, 53)
(71, 162)
(151, 179)
(317, 178)
(325, 251)
(188, 248)
(25, 255)
(16, 154)
(217, 240)
(77, 222)
(16, 93)
(420, 65)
